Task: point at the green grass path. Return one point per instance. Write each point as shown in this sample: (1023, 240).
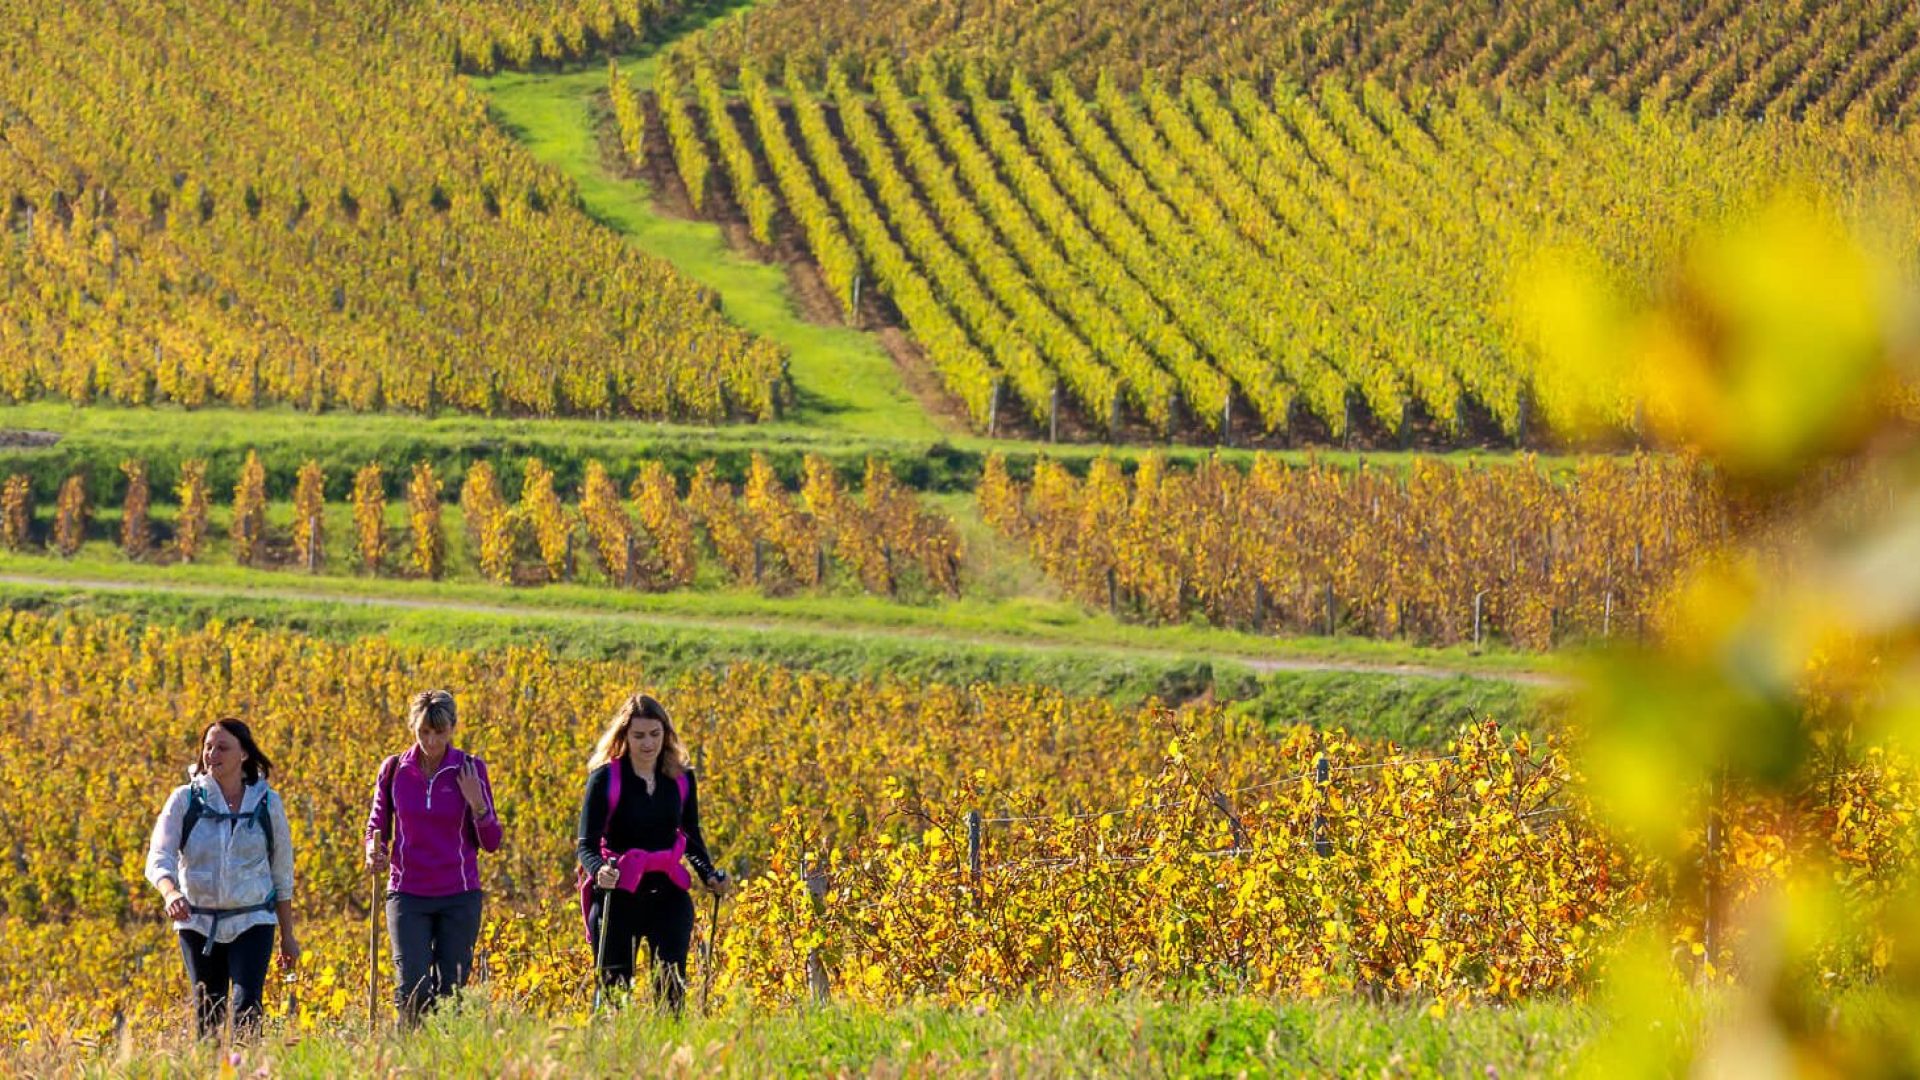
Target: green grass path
(1034, 627)
(846, 381)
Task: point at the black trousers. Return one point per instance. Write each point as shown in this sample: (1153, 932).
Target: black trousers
(662, 917)
(238, 967)
(432, 939)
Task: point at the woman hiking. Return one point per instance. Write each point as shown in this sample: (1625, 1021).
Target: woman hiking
(432, 814)
(640, 817)
(222, 858)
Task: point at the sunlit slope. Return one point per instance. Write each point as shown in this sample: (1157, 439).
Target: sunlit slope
(302, 203)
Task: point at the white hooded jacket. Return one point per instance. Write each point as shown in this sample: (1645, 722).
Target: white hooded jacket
(224, 864)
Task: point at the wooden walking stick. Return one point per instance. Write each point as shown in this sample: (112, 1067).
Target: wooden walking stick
(385, 785)
(373, 948)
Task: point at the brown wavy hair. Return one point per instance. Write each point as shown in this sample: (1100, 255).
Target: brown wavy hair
(613, 741)
(254, 768)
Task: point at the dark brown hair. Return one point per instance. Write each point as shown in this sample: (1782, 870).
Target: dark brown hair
(254, 768)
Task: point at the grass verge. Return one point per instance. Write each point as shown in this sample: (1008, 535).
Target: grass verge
(1414, 712)
(1032, 622)
(1120, 1036)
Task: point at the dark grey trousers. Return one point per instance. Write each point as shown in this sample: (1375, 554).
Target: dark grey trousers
(432, 938)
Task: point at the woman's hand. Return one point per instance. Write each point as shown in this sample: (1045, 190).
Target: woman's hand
(608, 875)
(377, 859)
(470, 787)
(177, 908)
(289, 950)
(719, 884)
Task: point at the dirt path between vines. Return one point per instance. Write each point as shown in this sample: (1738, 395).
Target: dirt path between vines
(957, 639)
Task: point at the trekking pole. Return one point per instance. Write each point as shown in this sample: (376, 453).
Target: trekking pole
(600, 951)
(713, 937)
(373, 947)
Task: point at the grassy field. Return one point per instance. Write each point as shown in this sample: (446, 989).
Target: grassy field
(1116, 1036)
(1121, 1037)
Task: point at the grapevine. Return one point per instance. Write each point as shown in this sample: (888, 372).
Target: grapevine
(429, 554)
(190, 527)
(1120, 845)
(71, 515)
(309, 515)
(370, 517)
(136, 532)
(249, 523)
(16, 512)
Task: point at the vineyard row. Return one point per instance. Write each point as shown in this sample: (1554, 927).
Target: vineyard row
(1821, 60)
(1445, 555)
(1221, 261)
(646, 537)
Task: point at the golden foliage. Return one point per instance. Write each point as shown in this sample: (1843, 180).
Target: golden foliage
(668, 525)
(491, 525)
(371, 241)
(16, 512)
(552, 525)
(310, 515)
(1121, 847)
(370, 517)
(71, 515)
(190, 526)
(136, 533)
(423, 521)
(1440, 554)
(249, 525)
(609, 526)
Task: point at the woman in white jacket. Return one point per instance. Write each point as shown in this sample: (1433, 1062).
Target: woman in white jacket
(222, 858)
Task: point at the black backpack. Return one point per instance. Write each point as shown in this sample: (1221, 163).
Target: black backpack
(198, 808)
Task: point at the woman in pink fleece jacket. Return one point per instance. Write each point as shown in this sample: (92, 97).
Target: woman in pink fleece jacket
(432, 814)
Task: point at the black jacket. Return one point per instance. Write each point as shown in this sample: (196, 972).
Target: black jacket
(640, 821)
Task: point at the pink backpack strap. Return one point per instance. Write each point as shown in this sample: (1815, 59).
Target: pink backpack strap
(585, 881)
(613, 800)
(613, 796)
(681, 833)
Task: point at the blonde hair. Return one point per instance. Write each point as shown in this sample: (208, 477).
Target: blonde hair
(432, 709)
(613, 741)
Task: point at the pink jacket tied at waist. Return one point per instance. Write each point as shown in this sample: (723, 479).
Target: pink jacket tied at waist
(636, 862)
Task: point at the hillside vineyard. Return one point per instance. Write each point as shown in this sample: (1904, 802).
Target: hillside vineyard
(1235, 259)
(300, 203)
(1820, 59)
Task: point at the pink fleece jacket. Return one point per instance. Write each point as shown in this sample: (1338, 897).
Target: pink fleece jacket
(435, 840)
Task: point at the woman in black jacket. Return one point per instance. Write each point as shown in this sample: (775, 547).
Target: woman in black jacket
(633, 855)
